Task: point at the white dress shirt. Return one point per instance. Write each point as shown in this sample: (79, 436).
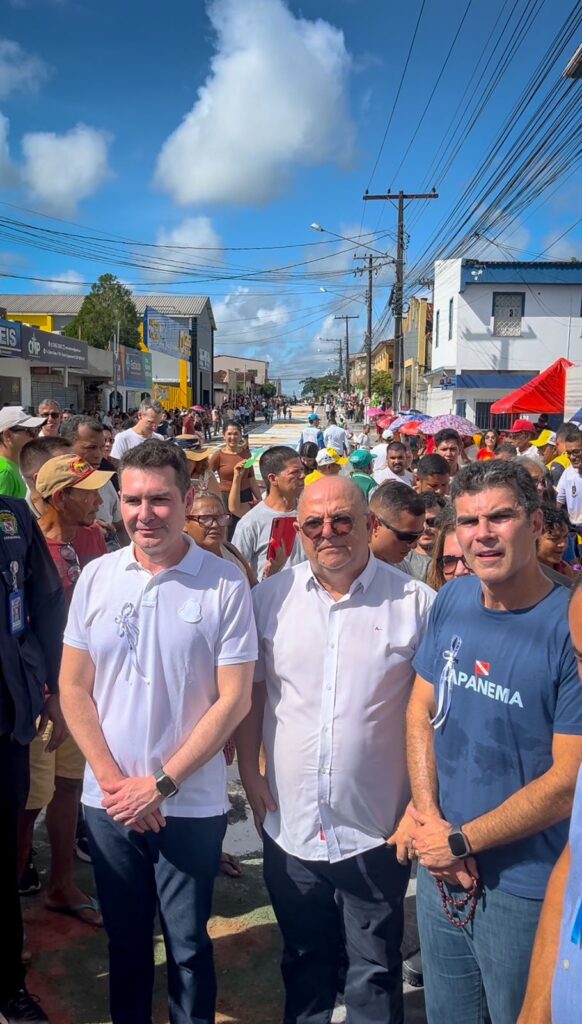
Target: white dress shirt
(156, 642)
(338, 677)
(569, 493)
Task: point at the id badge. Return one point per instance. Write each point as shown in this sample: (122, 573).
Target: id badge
(16, 612)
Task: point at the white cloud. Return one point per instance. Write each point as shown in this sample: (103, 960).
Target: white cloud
(60, 170)
(194, 232)
(276, 98)
(20, 70)
(8, 172)
(182, 241)
(561, 249)
(69, 282)
(250, 319)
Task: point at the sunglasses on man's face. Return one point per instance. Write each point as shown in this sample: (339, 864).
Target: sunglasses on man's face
(51, 415)
(340, 525)
(404, 536)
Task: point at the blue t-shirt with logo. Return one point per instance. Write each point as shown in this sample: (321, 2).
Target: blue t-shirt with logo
(514, 684)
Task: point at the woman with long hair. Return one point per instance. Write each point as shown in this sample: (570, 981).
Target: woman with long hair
(223, 461)
(447, 558)
(488, 446)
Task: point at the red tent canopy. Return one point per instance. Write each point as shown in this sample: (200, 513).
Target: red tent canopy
(545, 393)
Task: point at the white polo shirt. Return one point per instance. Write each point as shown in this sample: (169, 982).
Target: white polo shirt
(339, 675)
(127, 439)
(569, 493)
(156, 642)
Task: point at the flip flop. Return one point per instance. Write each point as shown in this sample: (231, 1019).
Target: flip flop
(76, 910)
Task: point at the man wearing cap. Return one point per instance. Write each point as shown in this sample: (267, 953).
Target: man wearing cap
(543, 447)
(69, 488)
(86, 437)
(380, 450)
(328, 463)
(312, 432)
(362, 463)
(16, 428)
(50, 413)
(522, 434)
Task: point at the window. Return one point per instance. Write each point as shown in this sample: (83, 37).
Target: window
(460, 407)
(450, 319)
(508, 309)
(437, 324)
(484, 419)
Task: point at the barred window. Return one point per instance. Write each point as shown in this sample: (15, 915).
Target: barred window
(508, 308)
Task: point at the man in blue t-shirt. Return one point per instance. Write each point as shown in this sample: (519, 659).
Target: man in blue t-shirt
(494, 746)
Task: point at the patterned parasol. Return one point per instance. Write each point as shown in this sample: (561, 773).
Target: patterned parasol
(459, 423)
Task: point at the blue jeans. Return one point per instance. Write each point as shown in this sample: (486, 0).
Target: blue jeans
(325, 911)
(478, 974)
(171, 871)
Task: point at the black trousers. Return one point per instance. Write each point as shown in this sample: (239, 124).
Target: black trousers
(14, 780)
(320, 907)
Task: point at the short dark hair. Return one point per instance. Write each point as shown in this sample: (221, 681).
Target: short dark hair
(554, 517)
(309, 450)
(432, 465)
(35, 453)
(231, 423)
(153, 454)
(70, 428)
(448, 434)
(568, 432)
(432, 500)
(396, 446)
(506, 448)
(274, 461)
(481, 476)
(397, 497)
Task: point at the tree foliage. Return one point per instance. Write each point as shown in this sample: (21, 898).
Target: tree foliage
(268, 389)
(320, 386)
(382, 384)
(108, 303)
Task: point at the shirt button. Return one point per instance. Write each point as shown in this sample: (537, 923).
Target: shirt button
(566, 964)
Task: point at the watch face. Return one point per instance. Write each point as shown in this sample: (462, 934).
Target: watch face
(165, 786)
(458, 844)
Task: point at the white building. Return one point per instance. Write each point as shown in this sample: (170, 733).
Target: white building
(496, 325)
(238, 375)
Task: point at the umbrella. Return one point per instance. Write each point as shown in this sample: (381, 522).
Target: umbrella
(197, 408)
(375, 412)
(384, 421)
(415, 427)
(408, 417)
(459, 423)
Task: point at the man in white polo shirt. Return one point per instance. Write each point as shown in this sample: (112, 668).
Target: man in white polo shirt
(149, 417)
(569, 491)
(337, 635)
(156, 675)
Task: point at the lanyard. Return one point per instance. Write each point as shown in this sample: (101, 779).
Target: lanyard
(445, 683)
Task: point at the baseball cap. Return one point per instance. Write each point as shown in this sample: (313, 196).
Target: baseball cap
(361, 457)
(387, 435)
(329, 457)
(545, 437)
(69, 471)
(313, 418)
(520, 426)
(190, 445)
(15, 416)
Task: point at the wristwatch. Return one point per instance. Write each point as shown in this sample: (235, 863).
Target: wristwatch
(165, 786)
(458, 843)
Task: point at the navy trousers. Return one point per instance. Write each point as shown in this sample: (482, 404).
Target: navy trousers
(322, 909)
(171, 871)
(14, 779)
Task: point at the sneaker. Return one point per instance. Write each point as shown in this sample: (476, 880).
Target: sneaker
(22, 1008)
(412, 970)
(82, 849)
(29, 882)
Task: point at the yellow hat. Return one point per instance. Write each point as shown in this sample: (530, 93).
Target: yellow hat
(69, 471)
(545, 437)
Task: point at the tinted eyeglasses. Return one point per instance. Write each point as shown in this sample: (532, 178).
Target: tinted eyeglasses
(449, 563)
(404, 536)
(50, 415)
(341, 525)
(430, 521)
(70, 556)
(207, 521)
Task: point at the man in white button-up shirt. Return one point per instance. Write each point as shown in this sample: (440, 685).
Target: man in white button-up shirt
(337, 635)
(156, 675)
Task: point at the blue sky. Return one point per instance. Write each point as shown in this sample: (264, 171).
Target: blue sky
(238, 123)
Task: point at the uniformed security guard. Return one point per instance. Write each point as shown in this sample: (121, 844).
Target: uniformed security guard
(32, 620)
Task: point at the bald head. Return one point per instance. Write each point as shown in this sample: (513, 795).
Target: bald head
(335, 525)
(338, 488)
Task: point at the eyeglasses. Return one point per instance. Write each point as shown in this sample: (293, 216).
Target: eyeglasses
(449, 563)
(574, 453)
(207, 521)
(50, 415)
(69, 554)
(404, 536)
(430, 521)
(341, 525)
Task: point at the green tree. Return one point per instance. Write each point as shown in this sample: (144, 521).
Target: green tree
(268, 389)
(108, 303)
(382, 384)
(319, 386)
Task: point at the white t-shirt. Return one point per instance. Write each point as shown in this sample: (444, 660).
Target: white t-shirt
(380, 476)
(110, 510)
(336, 438)
(363, 441)
(379, 450)
(569, 493)
(253, 533)
(334, 725)
(156, 642)
(127, 439)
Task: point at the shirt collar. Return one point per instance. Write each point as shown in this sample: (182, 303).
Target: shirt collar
(190, 564)
(362, 582)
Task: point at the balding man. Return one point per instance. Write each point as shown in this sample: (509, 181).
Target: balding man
(333, 699)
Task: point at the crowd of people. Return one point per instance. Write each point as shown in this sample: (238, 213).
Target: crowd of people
(390, 635)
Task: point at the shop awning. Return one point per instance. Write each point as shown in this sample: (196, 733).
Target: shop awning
(545, 393)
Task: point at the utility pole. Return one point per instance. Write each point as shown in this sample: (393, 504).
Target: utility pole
(115, 358)
(398, 301)
(354, 316)
(371, 266)
(338, 342)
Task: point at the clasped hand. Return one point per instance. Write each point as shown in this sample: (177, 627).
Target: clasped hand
(134, 802)
(426, 836)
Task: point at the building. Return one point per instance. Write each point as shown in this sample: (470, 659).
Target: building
(176, 380)
(238, 375)
(497, 325)
(382, 361)
(416, 351)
